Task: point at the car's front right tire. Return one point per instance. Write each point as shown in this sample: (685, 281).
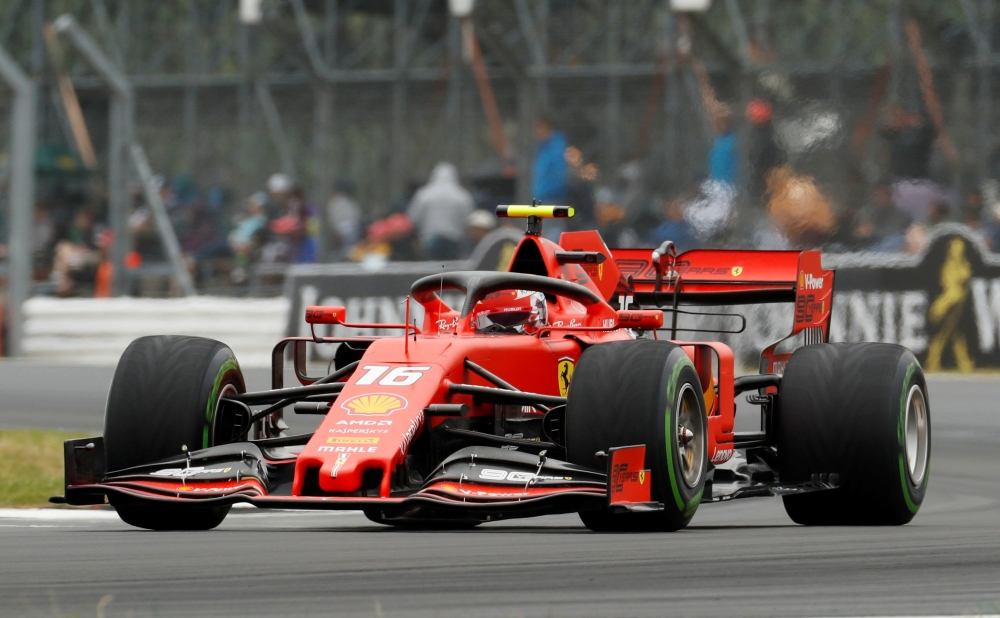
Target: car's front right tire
(642, 392)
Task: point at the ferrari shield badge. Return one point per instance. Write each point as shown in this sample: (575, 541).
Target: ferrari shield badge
(737, 271)
(565, 368)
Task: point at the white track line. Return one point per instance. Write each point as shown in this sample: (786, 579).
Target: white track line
(59, 514)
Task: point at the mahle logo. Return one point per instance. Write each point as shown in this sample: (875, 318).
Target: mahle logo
(374, 404)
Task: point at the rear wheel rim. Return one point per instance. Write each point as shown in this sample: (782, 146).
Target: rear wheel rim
(690, 436)
(917, 434)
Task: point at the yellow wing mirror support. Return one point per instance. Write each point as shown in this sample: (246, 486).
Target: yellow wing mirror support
(535, 213)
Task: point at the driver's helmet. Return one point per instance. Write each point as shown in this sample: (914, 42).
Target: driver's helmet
(520, 311)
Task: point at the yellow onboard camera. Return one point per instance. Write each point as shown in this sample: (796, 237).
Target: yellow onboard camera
(535, 213)
(542, 212)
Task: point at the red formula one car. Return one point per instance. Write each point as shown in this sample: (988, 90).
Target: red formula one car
(545, 390)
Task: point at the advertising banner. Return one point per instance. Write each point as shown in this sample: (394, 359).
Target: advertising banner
(943, 304)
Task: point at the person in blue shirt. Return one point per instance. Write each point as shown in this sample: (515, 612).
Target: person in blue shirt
(723, 158)
(674, 228)
(550, 184)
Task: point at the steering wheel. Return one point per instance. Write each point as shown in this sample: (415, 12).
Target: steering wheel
(476, 284)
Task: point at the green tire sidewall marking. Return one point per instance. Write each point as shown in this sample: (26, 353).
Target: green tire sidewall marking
(901, 438)
(228, 365)
(685, 507)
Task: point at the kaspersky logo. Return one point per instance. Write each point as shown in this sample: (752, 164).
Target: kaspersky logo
(809, 282)
(374, 405)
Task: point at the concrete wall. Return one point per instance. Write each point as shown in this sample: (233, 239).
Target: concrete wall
(97, 331)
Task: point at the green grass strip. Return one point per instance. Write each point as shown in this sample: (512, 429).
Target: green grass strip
(31, 466)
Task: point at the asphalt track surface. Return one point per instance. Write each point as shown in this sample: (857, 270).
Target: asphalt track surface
(736, 559)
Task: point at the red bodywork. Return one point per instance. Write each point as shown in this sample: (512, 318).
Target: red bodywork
(380, 412)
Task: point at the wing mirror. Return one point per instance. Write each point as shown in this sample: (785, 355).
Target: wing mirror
(328, 315)
(650, 319)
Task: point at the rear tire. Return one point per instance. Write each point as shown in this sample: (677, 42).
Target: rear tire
(164, 396)
(639, 392)
(861, 411)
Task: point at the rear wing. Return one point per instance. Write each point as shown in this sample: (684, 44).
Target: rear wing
(723, 277)
(728, 277)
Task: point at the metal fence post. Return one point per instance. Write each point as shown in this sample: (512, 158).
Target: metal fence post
(22, 199)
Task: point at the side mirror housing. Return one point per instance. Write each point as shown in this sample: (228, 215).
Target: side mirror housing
(651, 319)
(325, 315)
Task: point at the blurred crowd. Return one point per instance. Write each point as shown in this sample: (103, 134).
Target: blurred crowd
(754, 194)
(225, 241)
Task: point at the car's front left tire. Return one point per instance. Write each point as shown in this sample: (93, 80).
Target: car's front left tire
(165, 397)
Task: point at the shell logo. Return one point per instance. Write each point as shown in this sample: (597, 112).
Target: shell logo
(374, 404)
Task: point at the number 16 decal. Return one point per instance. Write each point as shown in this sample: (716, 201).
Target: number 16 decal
(400, 376)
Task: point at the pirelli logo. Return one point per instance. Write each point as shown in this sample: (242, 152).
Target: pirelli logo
(352, 440)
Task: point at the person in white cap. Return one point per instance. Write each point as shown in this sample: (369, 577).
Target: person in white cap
(279, 187)
(481, 223)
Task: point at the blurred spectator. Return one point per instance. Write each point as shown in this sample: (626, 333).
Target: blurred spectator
(763, 151)
(915, 239)
(343, 215)
(146, 243)
(104, 274)
(879, 224)
(674, 228)
(712, 211)
(550, 184)
(279, 188)
(76, 257)
(798, 208)
(917, 197)
(939, 213)
(294, 241)
(372, 251)
(972, 213)
(911, 139)
(204, 239)
(611, 222)
(249, 236)
(481, 223)
(723, 158)
(580, 190)
(439, 211)
(390, 237)
(42, 234)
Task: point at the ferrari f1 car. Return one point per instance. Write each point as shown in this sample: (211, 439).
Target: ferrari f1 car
(559, 386)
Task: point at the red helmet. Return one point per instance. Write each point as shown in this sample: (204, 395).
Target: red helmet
(521, 311)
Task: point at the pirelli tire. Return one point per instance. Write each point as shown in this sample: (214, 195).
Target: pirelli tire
(641, 392)
(164, 397)
(861, 411)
